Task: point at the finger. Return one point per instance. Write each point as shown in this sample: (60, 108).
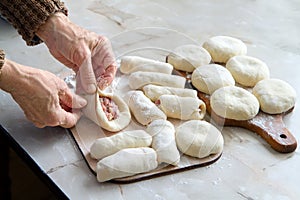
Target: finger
(87, 77)
(70, 100)
(39, 125)
(107, 78)
(103, 55)
(67, 119)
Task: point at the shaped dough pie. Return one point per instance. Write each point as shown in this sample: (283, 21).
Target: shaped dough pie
(275, 96)
(247, 70)
(222, 48)
(188, 57)
(130, 64)
(143, 109)
(199, 139)
(233, 102)
(126, 162)
(155, 91)
(107, 110)
(163, 142)
(106, 146)
(183, 108)
(209, 78)
(139, 79)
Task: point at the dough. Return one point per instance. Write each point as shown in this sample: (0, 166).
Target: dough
(163, 133)
(233, 102)
(183, 108)
(143, 109)
(94, 111)
(126, 162)
(209, 78)
(139, 79)
(222, 48)
(199, 139)
(130, 64)
(188, 57)
(275, 96)
(155, 91)
(106, 146)
(247, 70)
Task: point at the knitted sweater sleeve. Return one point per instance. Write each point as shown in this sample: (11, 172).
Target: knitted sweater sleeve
(28, 15)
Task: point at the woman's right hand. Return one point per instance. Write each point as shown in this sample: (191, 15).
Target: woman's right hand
(45, 99)
(90, 55)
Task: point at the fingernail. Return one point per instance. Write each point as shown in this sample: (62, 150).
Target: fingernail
(103, 83)
(82, 102)
(91, 88)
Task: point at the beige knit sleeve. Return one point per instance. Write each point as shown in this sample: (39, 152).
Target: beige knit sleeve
(28, 15)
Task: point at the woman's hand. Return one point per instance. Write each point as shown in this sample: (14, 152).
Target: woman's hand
(87, 53)
(45, 99)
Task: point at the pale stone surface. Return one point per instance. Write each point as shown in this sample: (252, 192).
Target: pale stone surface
(248, 168)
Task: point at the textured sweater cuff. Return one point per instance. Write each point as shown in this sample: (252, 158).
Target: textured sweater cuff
(28, 16)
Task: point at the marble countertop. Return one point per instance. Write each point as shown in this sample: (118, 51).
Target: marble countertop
(248, 169)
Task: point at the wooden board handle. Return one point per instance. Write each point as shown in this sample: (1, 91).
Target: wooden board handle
(270, 127)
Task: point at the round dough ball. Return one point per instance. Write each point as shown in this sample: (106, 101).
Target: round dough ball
(209, 78)
(247, 70)
(199, 139)
(233, 102)
(188, 57)
(274, 95)
(222, 48)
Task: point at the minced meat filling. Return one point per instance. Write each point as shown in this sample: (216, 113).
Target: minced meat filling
(109, 107)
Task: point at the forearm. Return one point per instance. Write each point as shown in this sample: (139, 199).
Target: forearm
(27, 16)
(12, 75)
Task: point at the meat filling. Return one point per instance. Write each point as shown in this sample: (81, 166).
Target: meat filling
(109, 107)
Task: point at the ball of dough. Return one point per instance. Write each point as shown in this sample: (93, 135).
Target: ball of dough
(209, 78)
(188, 57)
(199, 139)
(233, 102)
(222, 48)
(247, 70)
(274, 95)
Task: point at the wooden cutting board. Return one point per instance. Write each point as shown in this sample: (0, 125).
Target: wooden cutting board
(84, 140)
(86, 132)
(269, 126)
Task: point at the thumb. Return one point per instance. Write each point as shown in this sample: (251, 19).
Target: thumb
(72, 100)
(68, 119)
(87, 76)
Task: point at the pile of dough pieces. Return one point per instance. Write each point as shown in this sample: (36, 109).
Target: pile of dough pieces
(156, 96)
(239, 85)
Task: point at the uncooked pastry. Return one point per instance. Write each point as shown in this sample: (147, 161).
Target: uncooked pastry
(247, 70)
(209, 78)
(130, 64)
(163, 142)
(222, 48)
(106, 146)
(275, 96)
(233, 102)
(93, 110)
(184, 108)
(139, 79)
(155, 91)
(143, 109)
(199, 139)
(188, 57)
(126, 162)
